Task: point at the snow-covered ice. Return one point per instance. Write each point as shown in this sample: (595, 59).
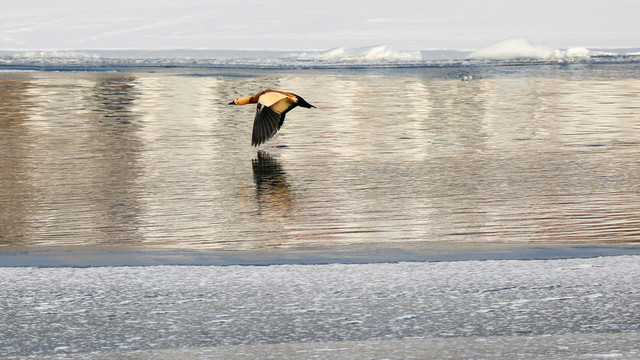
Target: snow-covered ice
(522, 48)
(572, 308)
(374, 53)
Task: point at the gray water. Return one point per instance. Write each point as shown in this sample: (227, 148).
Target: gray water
(522, 154)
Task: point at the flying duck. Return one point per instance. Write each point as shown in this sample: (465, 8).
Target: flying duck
(273, 105)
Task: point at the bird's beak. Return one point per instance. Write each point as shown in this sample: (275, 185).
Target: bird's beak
(232, 103)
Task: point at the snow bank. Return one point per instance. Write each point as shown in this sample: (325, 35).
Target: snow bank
(56, 55)
(521, 48)
(381, 53)
(577, 52)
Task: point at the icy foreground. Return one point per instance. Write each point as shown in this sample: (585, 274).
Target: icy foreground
(574, 308)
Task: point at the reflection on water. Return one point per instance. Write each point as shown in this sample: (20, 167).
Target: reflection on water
(160, 160)
(14, 196)
(272, 189)
(78, 144)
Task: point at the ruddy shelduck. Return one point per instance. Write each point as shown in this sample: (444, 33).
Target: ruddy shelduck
(273, 105)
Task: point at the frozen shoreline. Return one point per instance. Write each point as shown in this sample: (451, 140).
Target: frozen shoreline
(567, 346)
(518, 51)
(82, 256)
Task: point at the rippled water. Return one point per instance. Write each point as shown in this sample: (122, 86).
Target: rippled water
(518, 154)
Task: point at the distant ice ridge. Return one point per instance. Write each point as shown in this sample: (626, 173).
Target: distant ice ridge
(56, 55)
(521, 48)
(53, 58)
(380, 53)
(511, 51)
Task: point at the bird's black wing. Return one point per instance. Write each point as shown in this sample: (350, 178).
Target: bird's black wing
(268, 120)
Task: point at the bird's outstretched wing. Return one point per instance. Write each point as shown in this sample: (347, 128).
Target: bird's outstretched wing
(269, 119)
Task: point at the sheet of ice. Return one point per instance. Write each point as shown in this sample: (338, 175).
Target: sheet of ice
(574, 308)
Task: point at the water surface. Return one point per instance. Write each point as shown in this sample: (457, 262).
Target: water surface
(520, 154)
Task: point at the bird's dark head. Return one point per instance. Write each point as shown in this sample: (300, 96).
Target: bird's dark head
(303, 103)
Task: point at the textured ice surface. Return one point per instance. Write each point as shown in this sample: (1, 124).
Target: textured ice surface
(585, 308)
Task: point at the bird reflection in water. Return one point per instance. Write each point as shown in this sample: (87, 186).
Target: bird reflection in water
(273, 192)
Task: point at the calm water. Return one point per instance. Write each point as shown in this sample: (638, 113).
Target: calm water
(519, 154)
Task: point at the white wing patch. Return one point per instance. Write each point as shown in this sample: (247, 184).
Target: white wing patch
(270, 98)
